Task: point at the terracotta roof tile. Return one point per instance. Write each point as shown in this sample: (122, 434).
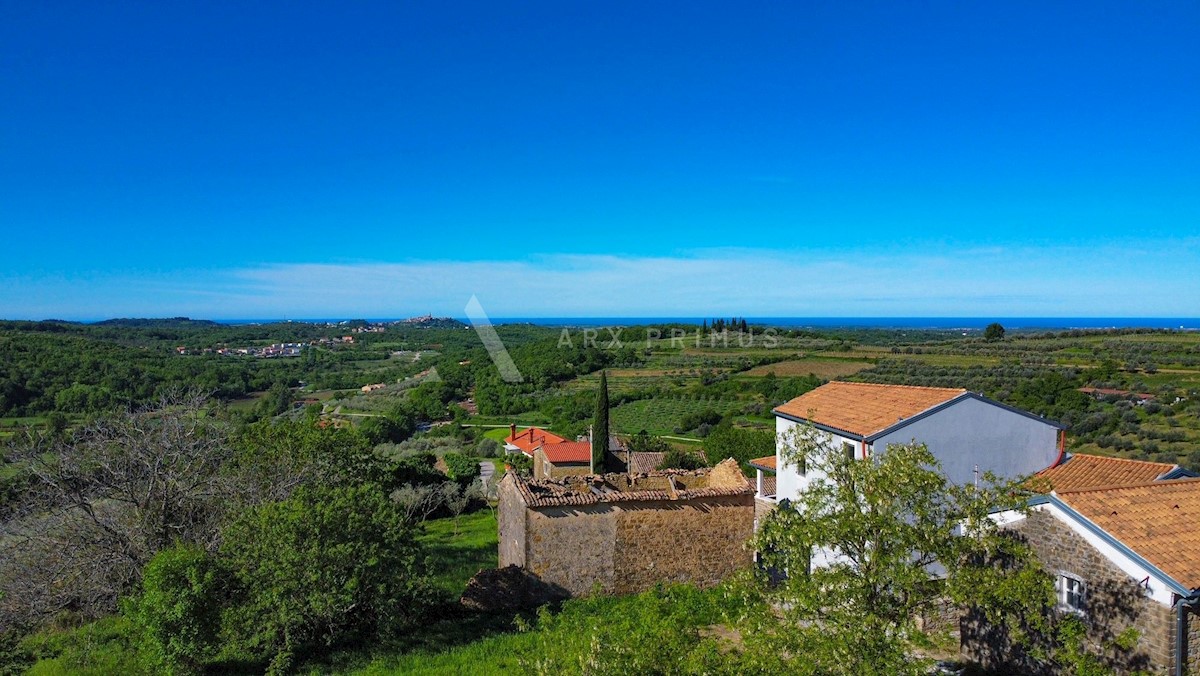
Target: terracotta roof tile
(865, 408)
(530, 439)
(642, 462)
(1157, 520)
(723, 480)
(769, 486)
(1082, 471)
(568, 451)
(767, 462)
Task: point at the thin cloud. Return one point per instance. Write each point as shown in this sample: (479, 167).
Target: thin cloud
(1065, 281)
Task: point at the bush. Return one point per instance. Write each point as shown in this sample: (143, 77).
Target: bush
(461, 468)
(677, 459)
(328, 566)
(693, 420)
(645, 442)
(178, 612)
(739, 443)
(520, 463)
(488, 448)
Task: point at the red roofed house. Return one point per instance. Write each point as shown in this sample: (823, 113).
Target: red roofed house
(529, 439)
(553, 456)
(565, 458)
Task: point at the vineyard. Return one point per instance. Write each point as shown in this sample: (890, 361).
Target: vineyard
(664, 415)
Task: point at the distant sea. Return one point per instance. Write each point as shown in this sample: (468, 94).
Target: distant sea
(945, 323)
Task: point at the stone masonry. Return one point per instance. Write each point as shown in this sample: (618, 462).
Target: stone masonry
(1114, 602)
(620, 535)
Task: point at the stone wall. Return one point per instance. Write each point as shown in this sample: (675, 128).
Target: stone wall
(1114, 602)
(511, 518)
(762, 508)
(544, 469)
(628, 546)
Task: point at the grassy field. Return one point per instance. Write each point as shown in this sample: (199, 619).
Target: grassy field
(822, 368)
(459, 556)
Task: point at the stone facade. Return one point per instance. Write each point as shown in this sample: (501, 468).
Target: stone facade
(1114, 602)
(762, 508)
(660, 528)
(543, 468)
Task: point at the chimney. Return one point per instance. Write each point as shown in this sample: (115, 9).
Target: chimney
(512, 431)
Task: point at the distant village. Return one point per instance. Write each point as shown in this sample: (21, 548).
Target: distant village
(276, 350)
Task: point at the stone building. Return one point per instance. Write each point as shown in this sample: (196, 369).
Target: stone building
(1122, 557)
(567, 458)
(623, 534)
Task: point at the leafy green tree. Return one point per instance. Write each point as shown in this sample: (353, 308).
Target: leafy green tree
(678, 459)
(644, 442)
(993, 332)
(462, 468)
(740, 443)
(520, 463)
(327, 566)
(393, 428)
(488, 448)
(600, 425)
(178, 611)
(864, 548)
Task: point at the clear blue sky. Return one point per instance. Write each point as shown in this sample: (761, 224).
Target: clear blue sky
(573, 159)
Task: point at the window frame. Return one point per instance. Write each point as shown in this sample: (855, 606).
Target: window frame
(849, 450)
(1069, 585)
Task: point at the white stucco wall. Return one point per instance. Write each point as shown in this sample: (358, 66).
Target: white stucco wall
(971, 432)
(788, 480)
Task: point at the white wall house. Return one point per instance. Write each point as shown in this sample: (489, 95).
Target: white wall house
(967, 432)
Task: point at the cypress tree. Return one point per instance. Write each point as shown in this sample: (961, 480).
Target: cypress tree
(600, 425)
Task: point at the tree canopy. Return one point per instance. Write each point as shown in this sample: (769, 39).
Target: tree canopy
(871, 545)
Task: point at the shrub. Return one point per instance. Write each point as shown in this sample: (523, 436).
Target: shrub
(178, 612)
(677, 459)
(461, 468)
(328, 566)
(520, 463)
(693, 420)
(488, 448)
(739, 443)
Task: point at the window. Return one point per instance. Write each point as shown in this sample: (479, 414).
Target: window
(848, 450)
(1072, 593)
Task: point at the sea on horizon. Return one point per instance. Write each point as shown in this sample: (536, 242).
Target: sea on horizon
(944, 323)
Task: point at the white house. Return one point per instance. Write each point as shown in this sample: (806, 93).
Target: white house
(967, 432)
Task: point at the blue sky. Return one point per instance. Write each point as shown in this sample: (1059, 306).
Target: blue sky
(230, 160)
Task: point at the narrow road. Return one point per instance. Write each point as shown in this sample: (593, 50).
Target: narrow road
(486, 471)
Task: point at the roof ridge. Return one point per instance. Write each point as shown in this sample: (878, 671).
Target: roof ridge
(1109, 457)
(909, 387)
(1155, 483)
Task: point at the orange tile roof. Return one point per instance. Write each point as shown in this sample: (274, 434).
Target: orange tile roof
(1082, 471)
(1156, 520)
(865, 408)
(568, 451)
(529, 439)
(767, 462)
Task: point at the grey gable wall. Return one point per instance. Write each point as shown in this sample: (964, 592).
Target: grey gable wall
(971, 431)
